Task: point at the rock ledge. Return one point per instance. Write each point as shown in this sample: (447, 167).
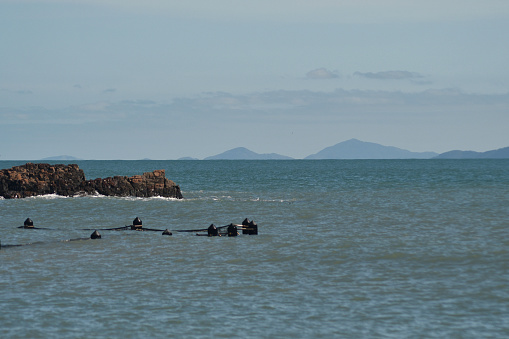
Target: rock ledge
(68, 180)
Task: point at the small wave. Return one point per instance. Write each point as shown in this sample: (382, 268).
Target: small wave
(49, 196)
(162, 198)
(83, 194)
(147, 198)
(130, 198)
(241, 199)
(97, 196)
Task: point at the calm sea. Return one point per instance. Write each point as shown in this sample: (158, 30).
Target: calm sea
(346, 249)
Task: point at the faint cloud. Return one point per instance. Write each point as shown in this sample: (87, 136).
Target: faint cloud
(18, 91)
(24, 92)
(96, 106)
(77, 86)
(139, 102)
(339, 100)
(253, 107)
(421, 82)
(321, 73)
(110, 90)
(390, 75)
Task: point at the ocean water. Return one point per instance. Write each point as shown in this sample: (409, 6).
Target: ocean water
(346, 249)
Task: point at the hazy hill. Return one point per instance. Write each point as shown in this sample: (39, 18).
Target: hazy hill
(242, 153)
(356, 149)
(501, 153)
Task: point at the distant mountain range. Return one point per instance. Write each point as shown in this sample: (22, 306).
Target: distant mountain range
(356, 149)
(350, 149)
(242, 153)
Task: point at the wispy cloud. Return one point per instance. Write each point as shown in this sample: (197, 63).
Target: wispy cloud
(321, 73)
(260, 106)
(390, 75)
(289, 104)
(17, 91)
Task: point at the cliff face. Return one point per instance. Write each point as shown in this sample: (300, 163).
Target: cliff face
(68, 180)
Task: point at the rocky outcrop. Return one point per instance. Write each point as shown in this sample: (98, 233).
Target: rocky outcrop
(149, 184)
(68, 180)
(38, 179)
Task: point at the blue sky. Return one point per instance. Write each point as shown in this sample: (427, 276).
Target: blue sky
(158, 79)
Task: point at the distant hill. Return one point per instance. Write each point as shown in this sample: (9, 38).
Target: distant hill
(356, 149)
(242, 153)
(501, 153)
(62, 157)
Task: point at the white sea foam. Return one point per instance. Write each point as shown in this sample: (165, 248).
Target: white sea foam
(49, 196)
(83, 194)
(241, 199)
(131, 198)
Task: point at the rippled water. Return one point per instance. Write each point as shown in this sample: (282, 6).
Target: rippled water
(410, 248)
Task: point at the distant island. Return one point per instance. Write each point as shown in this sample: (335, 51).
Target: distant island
(242, 153)
(61, 157)
(356, 149)
(349, 149)
(501, 153)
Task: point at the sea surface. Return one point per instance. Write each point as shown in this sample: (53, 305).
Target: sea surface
(346, 249)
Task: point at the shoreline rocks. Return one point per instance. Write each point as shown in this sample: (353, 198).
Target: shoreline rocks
(69, 180)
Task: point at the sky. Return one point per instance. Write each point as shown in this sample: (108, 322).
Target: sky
(164, 79)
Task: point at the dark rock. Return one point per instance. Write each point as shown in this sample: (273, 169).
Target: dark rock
(68, 180)
(38, 179)
(149, 184)
(95, 235)
(167, 232)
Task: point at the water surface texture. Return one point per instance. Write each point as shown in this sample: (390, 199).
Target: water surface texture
(370, 249)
